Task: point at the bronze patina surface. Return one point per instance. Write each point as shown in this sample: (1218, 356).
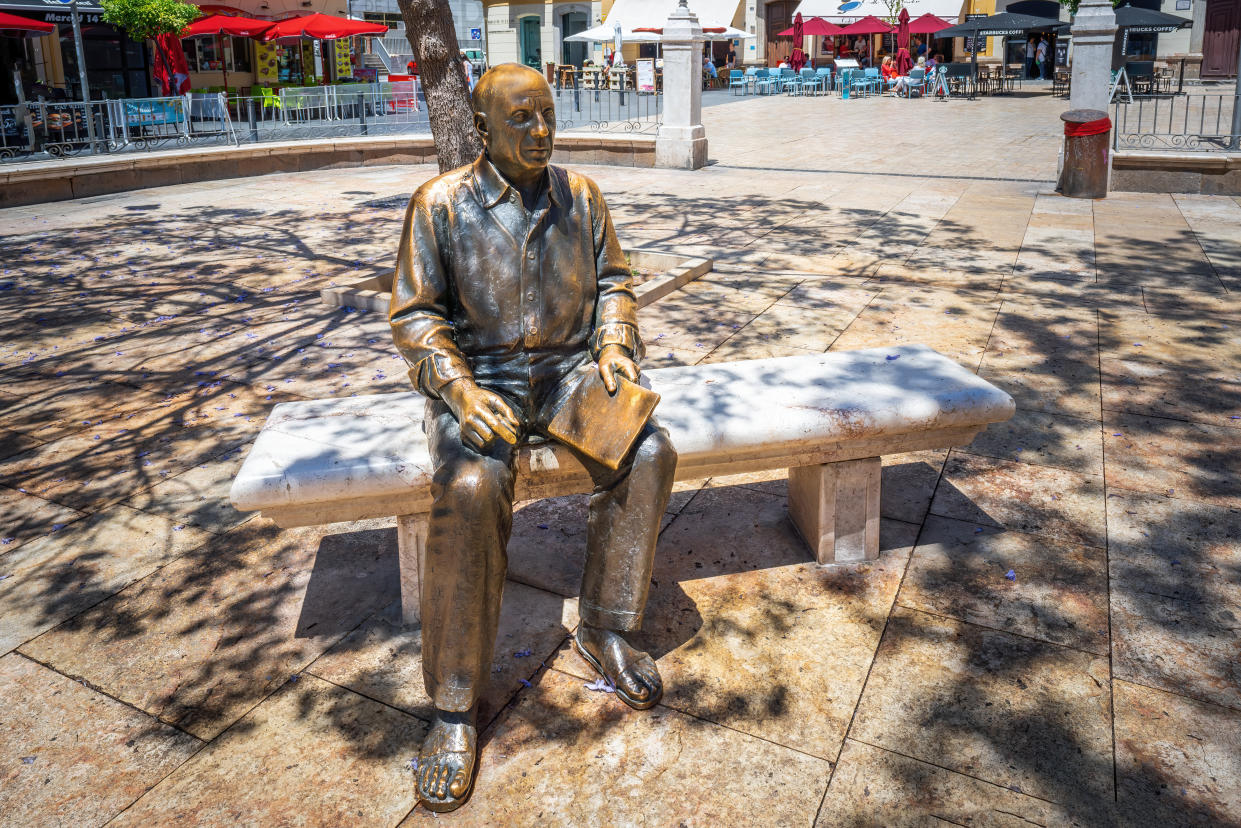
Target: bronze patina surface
(511, 290)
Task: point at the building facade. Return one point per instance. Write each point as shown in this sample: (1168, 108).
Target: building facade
(534, 33)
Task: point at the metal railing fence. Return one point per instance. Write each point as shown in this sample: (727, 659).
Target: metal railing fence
(60, 128)
(299, 113)
(608, 110)
(1192, 123)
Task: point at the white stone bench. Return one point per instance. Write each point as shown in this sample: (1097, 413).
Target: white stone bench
(827, 418)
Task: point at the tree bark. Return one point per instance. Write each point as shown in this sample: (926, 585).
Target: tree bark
(429, 27)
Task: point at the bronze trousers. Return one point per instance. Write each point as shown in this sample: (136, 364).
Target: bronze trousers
(472, 517)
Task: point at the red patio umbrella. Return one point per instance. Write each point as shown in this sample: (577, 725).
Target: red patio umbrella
(218, 25)
(12, 25)
(798, 58)
(224, 24)
(321, 27)
(815, 27)
(868, 25)
(927, 24)
(903, 62)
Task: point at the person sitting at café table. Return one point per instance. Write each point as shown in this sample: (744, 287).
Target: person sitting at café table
(708, 67)
(891, 79)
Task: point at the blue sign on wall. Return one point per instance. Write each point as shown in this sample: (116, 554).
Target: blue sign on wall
(476, 34)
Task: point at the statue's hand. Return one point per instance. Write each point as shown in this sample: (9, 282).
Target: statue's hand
(483, 415)
(612, 361)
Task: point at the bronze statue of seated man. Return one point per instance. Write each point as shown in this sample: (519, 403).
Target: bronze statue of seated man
(511, 286)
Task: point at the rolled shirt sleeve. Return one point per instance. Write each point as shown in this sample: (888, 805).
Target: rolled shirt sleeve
(418, 312)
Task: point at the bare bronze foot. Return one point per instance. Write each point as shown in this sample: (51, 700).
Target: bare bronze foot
(446, 762)
(631, 671)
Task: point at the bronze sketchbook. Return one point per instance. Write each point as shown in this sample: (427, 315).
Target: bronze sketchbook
(599, 425)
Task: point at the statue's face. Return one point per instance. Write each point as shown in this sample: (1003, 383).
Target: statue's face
(519, 126)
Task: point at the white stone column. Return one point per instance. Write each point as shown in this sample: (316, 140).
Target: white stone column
(1094, 32)
(682, 142)
(745, 54)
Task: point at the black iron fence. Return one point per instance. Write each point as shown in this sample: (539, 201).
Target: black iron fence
(1191, 123)
(41, 128)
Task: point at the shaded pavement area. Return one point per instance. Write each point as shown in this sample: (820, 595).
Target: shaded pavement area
(1049, 637)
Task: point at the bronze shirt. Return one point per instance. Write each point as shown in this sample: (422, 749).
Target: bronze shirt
(479, 275)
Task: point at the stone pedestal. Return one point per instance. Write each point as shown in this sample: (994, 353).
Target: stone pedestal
(682, 142)
(411, 542)
(835, 507)
(1094, 33)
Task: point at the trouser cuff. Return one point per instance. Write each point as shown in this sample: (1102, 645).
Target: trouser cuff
(455, 699)
(609, 619)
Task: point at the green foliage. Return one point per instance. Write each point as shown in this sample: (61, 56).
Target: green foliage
(1072, 5)
(145, 19)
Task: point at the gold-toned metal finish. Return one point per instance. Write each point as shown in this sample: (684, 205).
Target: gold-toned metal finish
(511, 290)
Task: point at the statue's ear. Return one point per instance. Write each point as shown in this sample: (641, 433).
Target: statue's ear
(480, 124)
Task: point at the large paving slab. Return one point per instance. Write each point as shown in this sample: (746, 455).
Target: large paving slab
(49, 580)
(207, 637)
(312, 754)
(1020, 713)
(73, 756)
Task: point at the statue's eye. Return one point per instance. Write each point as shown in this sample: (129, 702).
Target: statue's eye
(520, 117)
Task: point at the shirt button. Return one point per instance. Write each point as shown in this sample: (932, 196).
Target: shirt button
(530, 296)
(530, 256)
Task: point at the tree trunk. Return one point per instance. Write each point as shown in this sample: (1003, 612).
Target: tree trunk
(429, 27)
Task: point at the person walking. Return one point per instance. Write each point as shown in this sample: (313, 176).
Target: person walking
(1040, 58)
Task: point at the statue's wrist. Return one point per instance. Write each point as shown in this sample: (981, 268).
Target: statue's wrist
(615, 349)
(455, 392)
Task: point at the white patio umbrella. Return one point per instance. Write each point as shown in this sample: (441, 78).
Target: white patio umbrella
(605, 33)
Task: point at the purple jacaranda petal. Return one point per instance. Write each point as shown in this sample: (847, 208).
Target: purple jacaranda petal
(601, 685)
(1010, 575)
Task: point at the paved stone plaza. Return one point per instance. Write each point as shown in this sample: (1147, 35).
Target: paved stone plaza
(1049, 637)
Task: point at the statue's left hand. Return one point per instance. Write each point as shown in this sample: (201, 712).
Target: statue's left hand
(614, 360)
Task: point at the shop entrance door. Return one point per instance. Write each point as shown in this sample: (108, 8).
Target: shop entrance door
(1221, 37)
(779, 17)
(531, 50)
(570, 24)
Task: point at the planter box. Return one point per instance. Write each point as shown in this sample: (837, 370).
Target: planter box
(668, 272)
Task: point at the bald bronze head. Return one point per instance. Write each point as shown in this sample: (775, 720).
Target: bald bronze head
(515, 115)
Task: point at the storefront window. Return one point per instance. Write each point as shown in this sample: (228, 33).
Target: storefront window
(116, 66)
(204, 54)
(293, 65)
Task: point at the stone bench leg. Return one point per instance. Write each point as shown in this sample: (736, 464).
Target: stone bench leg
(411, 540)
(835, 507)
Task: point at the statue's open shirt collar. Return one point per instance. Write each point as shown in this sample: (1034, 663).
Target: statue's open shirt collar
(493, 187)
